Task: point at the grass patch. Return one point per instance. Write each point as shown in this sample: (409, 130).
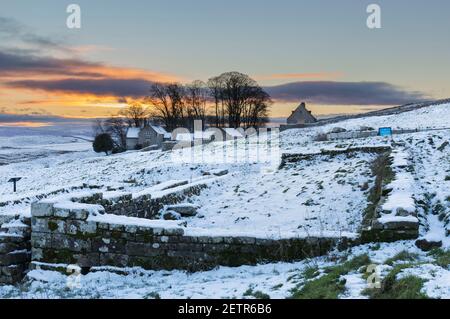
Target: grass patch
(276, 287)
(311, 272)
(256, 294)
(401, 256)
(391, 288)
(330, 285)
(442, 257)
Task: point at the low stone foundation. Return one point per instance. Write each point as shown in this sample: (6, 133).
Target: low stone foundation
(146, 204)
(81, 235)
(287, 158)
(403, 225)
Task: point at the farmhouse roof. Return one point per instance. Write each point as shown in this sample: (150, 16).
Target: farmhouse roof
(133, 132)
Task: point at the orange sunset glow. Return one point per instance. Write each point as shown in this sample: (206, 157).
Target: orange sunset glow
(48, 69)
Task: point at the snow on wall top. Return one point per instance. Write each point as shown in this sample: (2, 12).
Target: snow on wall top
(134, 221)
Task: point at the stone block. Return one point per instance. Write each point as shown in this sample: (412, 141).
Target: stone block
(88, 227)
(185, 210)
(117, 227)
(80, 214)
(171, 215)
(8, 247)
(15, 257)
(40, 209)
(37, 254)
(401, 225)
(13, 271)
(131, 229)
(158, 231)
(108, 245)
(167, 239)
(240, 240)
(61, 241)
(203, 239)
(162, 239)
(62, 213)
(41, 240)
(56, 226)
(103, 226)
(117, 260)
(142, 249)
(39, 225)
(87, 260)
(173, 231)
(187, 239)
(187, 254)
(264, 242)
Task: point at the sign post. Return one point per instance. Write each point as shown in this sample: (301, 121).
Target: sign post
(14, 180)
(385, 131)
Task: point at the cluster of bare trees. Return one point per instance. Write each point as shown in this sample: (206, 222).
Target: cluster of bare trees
(231, 99)
(176, 105)
(238, 100)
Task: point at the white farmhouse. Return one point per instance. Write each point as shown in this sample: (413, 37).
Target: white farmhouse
(149, 135)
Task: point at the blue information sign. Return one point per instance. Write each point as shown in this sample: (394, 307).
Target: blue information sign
(385, 131)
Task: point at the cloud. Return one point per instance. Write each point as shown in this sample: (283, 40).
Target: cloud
(20, 63)
(100, 87)
(11, 29)
(24, 66)
(344, 93)
(326, 93)
(291, 76)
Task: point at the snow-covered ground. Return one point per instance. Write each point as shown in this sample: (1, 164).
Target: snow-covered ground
(24, 148)
(317, 197)
(276, 280)
(320, 196)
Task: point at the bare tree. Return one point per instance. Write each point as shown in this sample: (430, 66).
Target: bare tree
(255, 111)
(196, 97)
(97, 127)
(238, 101)
(168, 103)
(117, 128)
(215, 86)
(136, 114)
(244, 100)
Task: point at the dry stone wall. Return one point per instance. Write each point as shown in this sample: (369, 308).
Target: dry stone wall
(62, 234)
(15, 250)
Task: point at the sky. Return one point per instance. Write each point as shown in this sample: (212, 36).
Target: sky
(320, 52)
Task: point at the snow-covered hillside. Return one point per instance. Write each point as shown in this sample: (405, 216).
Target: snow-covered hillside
(325, 195)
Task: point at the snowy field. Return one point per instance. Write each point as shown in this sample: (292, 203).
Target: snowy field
(290, 202)
(322, 196)
(276, 281)
(25, 148)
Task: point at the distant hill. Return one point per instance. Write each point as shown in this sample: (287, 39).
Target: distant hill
(382, 112)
